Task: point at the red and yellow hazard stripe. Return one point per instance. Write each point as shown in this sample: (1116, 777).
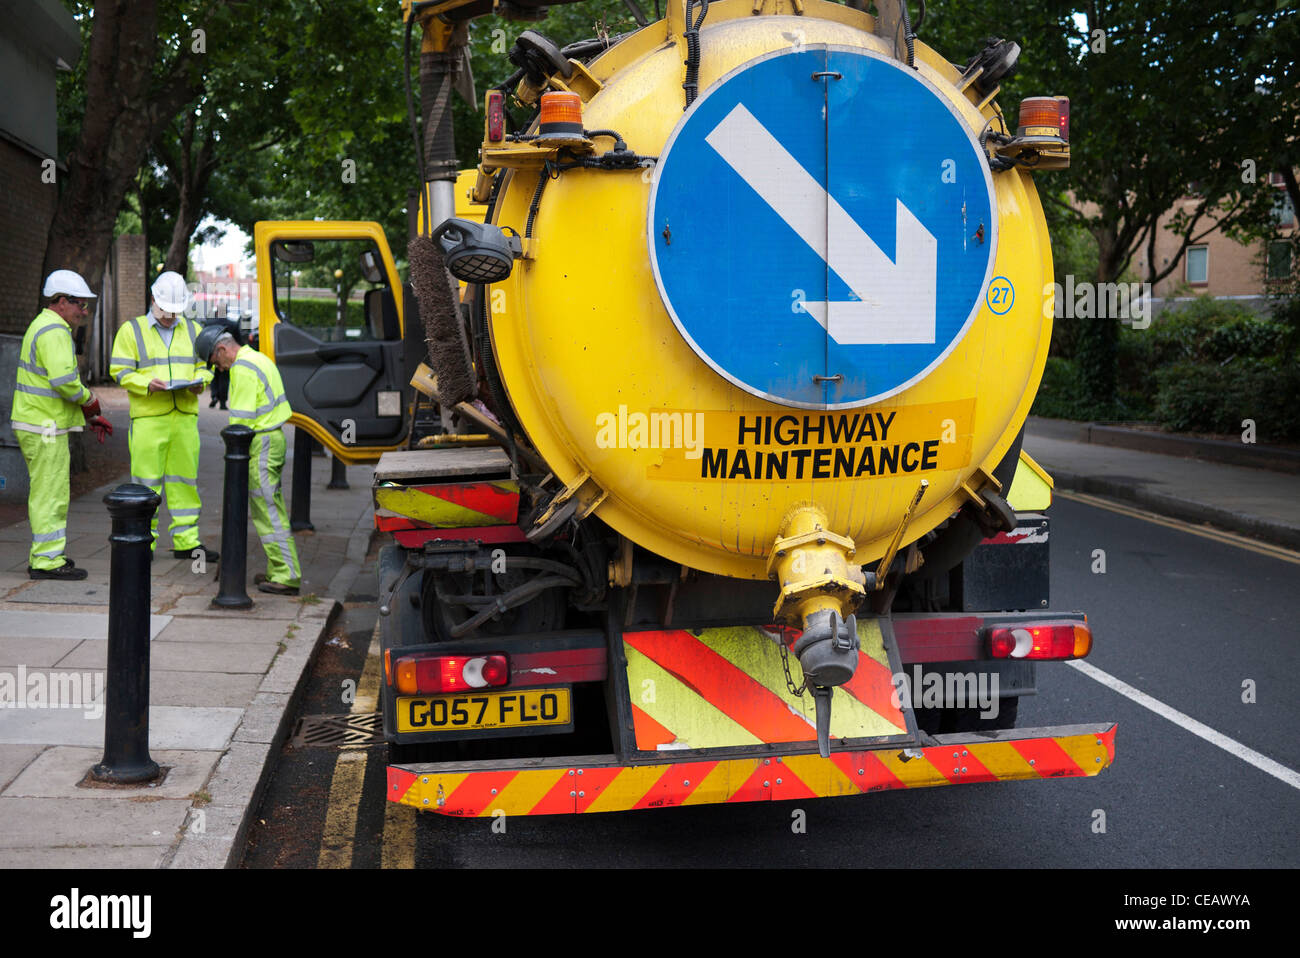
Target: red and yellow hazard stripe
(447, 505)
(571, 789)
(726, 687)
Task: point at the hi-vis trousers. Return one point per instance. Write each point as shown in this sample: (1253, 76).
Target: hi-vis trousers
(165, 456)
(47, 502)
(266, 505)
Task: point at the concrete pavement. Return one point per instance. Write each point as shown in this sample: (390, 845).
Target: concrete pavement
(1262, 503)
(221, 682)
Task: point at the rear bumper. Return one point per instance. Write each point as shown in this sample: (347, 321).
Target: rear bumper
(600, 783)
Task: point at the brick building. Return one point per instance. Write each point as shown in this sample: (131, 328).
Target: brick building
(33, 47)
(1218, 265)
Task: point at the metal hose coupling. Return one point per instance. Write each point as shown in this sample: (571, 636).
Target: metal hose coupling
(820, 588)
(828, 655)
(828, 648)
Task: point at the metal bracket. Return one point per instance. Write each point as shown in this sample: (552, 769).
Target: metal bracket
(887, 559)
(571, 502)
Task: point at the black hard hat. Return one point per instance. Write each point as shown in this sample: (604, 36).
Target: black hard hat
(206, 340)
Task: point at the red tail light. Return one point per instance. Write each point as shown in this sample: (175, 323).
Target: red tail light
(496, 116)
(414, 674)
(1070, 640)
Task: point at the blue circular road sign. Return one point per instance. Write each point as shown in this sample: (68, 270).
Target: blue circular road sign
(821, 227)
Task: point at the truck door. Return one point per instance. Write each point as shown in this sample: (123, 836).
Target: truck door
(332, 317)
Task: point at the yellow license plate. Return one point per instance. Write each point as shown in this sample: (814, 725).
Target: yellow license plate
(526, 708)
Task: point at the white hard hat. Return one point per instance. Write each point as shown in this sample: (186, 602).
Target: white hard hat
(67, 283)
(170, 292)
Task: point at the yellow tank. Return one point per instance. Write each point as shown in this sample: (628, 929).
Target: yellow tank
(675, 351)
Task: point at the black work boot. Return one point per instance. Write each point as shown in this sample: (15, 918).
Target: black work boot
(68, 572)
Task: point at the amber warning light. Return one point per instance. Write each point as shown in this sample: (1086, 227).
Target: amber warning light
(1044, 116)
(561, 115)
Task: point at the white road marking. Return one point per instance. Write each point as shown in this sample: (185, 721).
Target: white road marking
(1229, 745)
(896, 298)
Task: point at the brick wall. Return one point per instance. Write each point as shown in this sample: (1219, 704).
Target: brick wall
(1233, 269)
(132, 293)
(26, 209)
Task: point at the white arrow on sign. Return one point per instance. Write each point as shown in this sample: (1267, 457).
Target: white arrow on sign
(896, 298)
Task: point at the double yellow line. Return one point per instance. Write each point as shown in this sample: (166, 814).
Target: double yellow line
(1205, 532)
(339, 834)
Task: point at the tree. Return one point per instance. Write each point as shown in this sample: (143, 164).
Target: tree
(131, 85)
(1163, 104)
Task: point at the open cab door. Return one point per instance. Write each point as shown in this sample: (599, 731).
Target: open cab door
(333, 317)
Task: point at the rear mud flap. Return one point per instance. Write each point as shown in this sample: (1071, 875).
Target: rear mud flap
(727, 687)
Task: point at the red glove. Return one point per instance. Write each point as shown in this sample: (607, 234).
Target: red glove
(101, 426)
(91, 409)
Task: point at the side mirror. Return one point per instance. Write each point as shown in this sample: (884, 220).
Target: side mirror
(293, 251)
(371, 268)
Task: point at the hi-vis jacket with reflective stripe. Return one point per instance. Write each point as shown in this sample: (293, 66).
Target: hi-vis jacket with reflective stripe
(257, 397)
(49, 391)
(140, 356)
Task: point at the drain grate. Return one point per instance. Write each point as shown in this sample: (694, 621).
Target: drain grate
(332, 731)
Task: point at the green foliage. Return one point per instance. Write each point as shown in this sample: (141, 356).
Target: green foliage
(316, 313)
(1064, 394)
(1208, 397)
(1202, 368)
(1061, 396)
(1161, 94)
(1209, 330)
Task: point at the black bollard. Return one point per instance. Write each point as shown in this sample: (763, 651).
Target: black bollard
(338, 474)
(300, 507)
(234, 521)
(126, 713)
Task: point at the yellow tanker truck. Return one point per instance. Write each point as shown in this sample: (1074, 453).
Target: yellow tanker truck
(723, 499)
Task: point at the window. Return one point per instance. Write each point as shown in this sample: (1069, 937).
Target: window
(320, 287)
(1198, 264)
(1279, 260)
(1283, 211)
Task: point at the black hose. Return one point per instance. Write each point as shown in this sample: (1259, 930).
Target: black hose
(996, 163)
(537, 201)
(588, 569)
(515, 597)
(908, 36)
(692, 35)
(510, 82)
(583, 49)
(410, 104)
(618, 140)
